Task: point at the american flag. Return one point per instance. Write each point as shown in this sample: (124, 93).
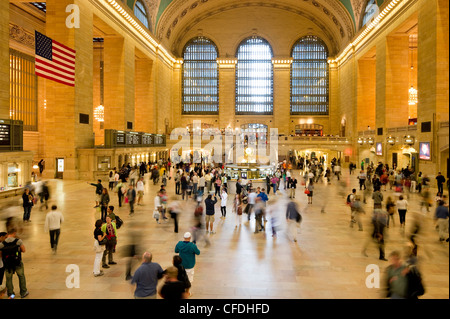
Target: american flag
(54, 60)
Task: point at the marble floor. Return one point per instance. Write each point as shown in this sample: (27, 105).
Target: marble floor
(325, 263)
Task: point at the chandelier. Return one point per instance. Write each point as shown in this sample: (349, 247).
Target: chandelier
(99, 113)
(412, 96)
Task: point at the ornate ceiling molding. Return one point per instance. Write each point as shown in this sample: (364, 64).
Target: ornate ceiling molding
(317, 11)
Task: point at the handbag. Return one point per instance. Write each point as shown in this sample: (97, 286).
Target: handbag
(156, 214)
(307, 192)
(126, 199)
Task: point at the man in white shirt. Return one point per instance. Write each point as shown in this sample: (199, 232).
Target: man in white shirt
(52, 224)
(223, 203)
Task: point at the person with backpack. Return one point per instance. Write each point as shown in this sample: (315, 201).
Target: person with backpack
(11, 250)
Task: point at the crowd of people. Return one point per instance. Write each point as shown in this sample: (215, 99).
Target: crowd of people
(208, 187)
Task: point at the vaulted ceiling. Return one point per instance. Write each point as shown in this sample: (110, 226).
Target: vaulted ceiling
(173, 22)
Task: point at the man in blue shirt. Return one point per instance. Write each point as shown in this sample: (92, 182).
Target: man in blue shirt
(146, 278)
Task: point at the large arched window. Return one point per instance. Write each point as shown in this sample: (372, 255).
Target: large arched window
(370, 11)
(309, 77)
(254, 77)
(141, 13)
(200, 77)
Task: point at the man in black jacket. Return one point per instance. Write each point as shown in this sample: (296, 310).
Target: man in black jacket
(238, 187)
(210, 211)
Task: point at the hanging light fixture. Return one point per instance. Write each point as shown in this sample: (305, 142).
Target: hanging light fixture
(99, 111)
(412, 100)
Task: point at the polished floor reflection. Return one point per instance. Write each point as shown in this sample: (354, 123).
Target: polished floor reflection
(326, 262)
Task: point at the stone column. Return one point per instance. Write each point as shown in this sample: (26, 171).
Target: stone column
(4, 60)
(281, 94)
(366, 88)
(64, 133)
(227, 92)
(144, 103)
(432, 79)
(380, 95)
(333, 105)
(119, 73)
(397, 81)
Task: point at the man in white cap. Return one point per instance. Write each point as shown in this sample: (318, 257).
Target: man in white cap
(187, 251)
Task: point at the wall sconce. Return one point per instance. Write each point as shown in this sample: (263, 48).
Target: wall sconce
(370, 141)
(390, 140)
(409, 140)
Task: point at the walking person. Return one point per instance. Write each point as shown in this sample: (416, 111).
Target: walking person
(131, 195)
(104, 202)
(362, 179)
(140, 190)
(120, 189)
(379, 221)
(441, 217)
(3, 236)
(237, 209)
(27, 203)
(172, 289)
(11, 250)
(99, 247)
(182, 275)
(174, 210)
(309, 191)
(402, 207)
(350, 202)
(390, 209)
(377, 197)
(146, 278)
(357, 211)
(293, 218)
(187, 250)
(292, 185)
(53, 221)
(223, 203)
(210, 211)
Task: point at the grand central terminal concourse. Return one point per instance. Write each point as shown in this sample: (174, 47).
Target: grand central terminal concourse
(224, 149)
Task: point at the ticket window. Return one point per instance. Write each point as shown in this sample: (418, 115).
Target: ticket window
(59, 168)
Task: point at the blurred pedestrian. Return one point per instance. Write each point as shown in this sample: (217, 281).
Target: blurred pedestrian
(293, 218)
(27, 203)
(237, 209)
(182, 275)
(172, 289)
(379, 221)
(146, 278)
